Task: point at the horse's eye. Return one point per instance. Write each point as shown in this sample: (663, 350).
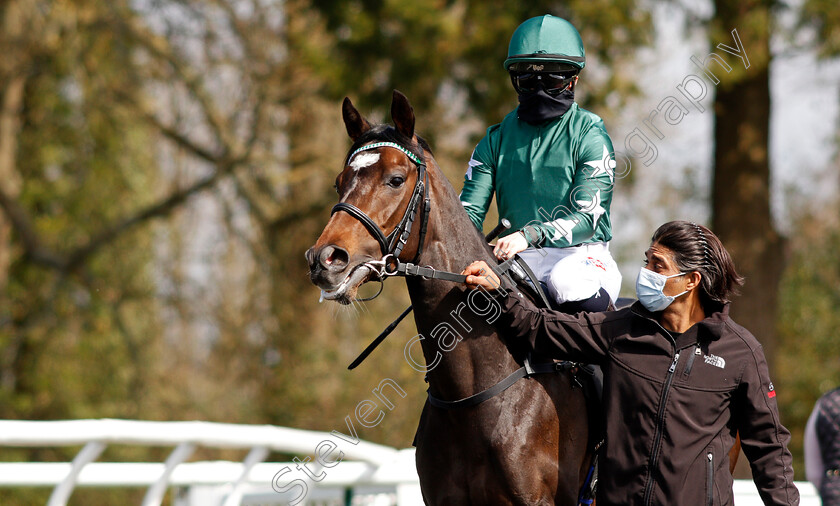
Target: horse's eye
(336, 187)
(396, 181)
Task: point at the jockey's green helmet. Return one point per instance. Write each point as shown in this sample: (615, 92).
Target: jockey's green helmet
(545, 40)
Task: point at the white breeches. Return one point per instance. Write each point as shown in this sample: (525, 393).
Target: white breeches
(575, 273)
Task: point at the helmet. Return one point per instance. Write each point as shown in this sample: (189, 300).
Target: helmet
(547, 40)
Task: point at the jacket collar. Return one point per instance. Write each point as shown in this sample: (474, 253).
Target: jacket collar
(710, 328)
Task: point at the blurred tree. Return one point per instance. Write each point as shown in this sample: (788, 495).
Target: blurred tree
(60, 149)
(808, 358)
(822, 18)
(61, 353)
(426, 48)
(112, 119)
(741, 213)
(741, 181)
(85, 95)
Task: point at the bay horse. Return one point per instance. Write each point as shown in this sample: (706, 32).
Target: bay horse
(526, 445)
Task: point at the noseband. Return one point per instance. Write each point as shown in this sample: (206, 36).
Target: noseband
(391, 245)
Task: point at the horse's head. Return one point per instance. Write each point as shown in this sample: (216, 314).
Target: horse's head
(380, 190)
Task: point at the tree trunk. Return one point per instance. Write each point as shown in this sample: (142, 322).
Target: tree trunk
(741, 204)
(741, 214)
(12, 81)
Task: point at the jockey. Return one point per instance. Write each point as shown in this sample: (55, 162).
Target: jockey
(551, 167)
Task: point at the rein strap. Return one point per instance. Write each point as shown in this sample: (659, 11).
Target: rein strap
(409, 269)
(523, 372)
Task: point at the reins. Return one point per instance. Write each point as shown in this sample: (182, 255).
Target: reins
(392, 245)
(390, 265)
(525, 371)
(409, 269)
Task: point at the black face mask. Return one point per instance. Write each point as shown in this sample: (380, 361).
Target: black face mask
(538, 106)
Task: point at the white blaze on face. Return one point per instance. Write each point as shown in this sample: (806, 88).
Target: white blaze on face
(363, 160)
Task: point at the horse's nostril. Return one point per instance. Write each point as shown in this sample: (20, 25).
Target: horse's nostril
(310, 258)
(334, 258)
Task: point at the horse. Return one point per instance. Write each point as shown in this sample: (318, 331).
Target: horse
(528, 444)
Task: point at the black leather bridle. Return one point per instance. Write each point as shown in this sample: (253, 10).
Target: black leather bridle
(391, 245)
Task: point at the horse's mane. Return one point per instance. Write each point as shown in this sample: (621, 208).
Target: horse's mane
(387, 133)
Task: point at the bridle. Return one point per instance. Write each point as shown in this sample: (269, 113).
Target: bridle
(392, 245)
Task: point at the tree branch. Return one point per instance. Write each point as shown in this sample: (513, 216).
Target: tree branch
(161, 49)
(162, 208)
(31, 242)
(181, 140)
(281, 222)
(40, 254)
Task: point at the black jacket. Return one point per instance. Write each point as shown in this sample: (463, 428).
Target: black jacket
(672, 404)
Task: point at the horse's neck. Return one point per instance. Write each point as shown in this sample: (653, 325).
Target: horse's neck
(443, 311)
(453, 242)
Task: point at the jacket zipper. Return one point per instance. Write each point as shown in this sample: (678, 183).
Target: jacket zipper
(710, 479)
(690, 363)
(657, 438)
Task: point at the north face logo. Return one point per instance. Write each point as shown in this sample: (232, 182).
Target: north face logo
(715, 360)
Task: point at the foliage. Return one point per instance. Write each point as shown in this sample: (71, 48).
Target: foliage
(808, 362)
(418, 46)
(823, 17)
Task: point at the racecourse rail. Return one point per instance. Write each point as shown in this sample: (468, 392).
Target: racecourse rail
(369, 474)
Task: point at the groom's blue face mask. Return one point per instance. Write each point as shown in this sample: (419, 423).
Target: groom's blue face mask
(649, 290)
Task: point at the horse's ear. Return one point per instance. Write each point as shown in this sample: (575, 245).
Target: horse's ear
(403, 114)
(356, 124)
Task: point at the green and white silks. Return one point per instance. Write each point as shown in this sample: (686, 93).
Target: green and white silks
(555, 178)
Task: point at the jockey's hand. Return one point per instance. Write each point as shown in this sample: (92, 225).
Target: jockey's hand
(480, 274)
(510, 245)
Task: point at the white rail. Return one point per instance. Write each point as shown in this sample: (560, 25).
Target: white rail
(206, 434)
(363, 463)
(366, 466)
